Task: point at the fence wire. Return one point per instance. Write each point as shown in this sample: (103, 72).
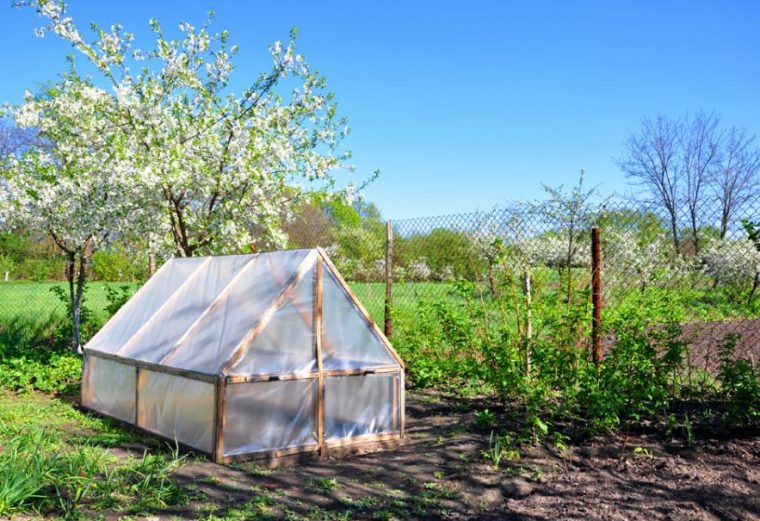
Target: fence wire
(702, 256)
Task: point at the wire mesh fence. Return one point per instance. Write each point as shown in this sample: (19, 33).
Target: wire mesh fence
(702, 257)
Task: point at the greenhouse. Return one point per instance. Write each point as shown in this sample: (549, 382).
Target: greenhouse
(260, 356)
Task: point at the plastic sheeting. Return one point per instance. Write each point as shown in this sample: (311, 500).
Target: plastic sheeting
(177, 408)
(269, 415)
(286, 344)
(360, 405)
(212, 341)
(109, 387)
(144, 304)
(181, 310)
(348, 341)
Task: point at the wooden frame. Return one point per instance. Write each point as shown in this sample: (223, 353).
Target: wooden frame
(322, 447)
(318, 353)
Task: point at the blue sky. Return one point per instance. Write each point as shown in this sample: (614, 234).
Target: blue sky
(467, 105)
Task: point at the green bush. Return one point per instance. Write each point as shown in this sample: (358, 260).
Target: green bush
(116, 266)
(40, 270)
(739, 381)
(29, 359)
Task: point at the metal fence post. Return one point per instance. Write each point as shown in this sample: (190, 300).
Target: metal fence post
(388, 329)
(596, 283)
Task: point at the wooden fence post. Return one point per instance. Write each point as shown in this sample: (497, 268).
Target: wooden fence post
(528, 319)
(596, 284)
(388, 329)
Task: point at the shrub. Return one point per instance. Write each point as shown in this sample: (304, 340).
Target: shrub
(28, 361)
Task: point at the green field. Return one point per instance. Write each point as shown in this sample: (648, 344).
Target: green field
(35, 299)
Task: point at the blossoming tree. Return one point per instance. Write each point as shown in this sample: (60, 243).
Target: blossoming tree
(157, 131)
(77, 184)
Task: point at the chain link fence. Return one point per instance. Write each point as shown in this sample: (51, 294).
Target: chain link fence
(702, 257)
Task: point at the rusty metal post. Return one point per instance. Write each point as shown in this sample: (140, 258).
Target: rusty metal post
(388, 329)
(596, 284)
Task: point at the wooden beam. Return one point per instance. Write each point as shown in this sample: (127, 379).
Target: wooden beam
(394, 405)
(137, 394)
(272, 454)
(219, 405)
(371, 323)
(367, 438)
(239, 379)
(388, 326)
(139, 412)
(402, 401)
(266, 316)
(187, 373)
(320, 369)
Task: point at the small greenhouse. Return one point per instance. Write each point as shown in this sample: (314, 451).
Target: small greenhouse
(248, 356)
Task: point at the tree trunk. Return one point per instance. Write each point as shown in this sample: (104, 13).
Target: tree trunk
(755, 285)
(76, 291)
(674, 231)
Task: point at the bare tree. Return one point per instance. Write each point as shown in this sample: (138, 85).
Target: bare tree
(735, 180)
(652, 159)
(700, 144)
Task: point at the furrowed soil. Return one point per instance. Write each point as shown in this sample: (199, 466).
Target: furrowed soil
(439, 472)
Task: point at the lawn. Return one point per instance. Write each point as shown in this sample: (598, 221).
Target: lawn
(35, 299)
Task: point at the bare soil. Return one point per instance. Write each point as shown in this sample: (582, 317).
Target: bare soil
(440, 473)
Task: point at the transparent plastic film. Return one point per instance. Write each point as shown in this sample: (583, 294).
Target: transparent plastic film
(286, 344)
(144, 304)
(163, 330)
(348, 341)
(109, 387)
(261, 416)
(212, 341)
(361, 405)
(177, 408)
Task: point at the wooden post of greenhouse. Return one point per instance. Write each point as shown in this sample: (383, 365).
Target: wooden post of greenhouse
(388, 329)
(596, 285)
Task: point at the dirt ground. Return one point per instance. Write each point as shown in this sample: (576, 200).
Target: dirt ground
(440, 473)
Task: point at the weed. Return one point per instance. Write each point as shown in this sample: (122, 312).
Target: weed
(321, 484)
(485, 419)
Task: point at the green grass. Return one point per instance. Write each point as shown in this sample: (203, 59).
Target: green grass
(56, 461)
(35, 299)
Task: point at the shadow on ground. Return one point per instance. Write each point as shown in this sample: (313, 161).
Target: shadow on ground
(440, 473)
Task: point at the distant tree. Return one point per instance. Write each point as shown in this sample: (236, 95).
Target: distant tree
(691, 164)
(700, 153)
(735, 182)
(651, 159)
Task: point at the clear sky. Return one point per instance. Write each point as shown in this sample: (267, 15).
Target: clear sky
(469, 104)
